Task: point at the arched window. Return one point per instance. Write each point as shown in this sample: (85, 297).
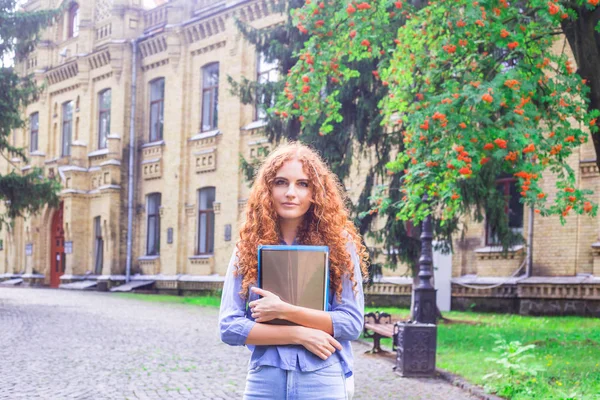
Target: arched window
(73, 21)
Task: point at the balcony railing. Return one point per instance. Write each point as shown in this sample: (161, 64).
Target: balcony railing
(156, 17)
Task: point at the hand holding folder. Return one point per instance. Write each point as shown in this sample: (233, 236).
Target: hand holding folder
(299, 275)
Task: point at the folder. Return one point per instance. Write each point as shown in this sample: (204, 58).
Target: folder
(299, 275)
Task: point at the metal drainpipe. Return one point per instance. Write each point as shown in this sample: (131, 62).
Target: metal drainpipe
(529, 267)
(131, 158)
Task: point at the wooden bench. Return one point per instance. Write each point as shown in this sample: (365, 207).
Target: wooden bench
(377, 326)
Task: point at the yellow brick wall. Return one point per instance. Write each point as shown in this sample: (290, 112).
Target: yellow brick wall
(96, 184)
(558, 250)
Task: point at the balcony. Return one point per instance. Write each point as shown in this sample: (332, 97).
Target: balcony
(156, 18)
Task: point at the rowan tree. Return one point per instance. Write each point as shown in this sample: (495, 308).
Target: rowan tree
(476, 89)
(358, 135)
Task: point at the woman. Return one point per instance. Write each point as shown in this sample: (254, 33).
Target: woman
(296, 199)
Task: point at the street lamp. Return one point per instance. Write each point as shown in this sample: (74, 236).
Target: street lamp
(417, 340)
(425, 310)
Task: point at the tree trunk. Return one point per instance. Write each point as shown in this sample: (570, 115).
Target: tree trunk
(584, 42)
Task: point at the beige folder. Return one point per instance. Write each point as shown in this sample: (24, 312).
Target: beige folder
(299, 275)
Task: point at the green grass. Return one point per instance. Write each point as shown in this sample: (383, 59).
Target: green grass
(204, 301)
(567, 348)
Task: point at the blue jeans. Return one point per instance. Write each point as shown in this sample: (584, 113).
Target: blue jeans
(266, 382)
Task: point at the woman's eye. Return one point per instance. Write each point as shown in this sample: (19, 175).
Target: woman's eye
(279, 182)
(303, 184)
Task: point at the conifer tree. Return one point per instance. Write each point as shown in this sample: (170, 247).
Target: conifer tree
(358, 134)
(22, 193)
(356, 130)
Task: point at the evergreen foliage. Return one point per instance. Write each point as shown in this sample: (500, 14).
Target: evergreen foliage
(22, 192)
(356, 131)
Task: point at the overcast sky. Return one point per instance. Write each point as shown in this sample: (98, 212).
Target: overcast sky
(149, 4)
(7, 60)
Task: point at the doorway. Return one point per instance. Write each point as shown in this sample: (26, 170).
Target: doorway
(57, 248)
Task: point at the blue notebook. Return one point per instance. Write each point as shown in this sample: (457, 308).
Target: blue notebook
(299, 275)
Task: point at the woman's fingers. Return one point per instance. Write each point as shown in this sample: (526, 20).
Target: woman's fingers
(321, 344)
(254, 303)
(261, 292)
(323, 352)
(335, 343)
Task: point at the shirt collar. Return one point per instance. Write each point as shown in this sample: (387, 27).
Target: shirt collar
(294, 243)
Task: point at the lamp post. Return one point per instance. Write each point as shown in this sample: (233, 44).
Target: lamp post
(417, 340)
(425, 310)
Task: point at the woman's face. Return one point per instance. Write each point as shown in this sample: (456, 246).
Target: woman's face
(291, 191)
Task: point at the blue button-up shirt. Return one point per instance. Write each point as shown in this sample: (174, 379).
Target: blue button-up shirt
(235, 323)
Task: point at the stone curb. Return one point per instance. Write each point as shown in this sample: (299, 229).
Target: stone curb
(459, 381)
(454, 380)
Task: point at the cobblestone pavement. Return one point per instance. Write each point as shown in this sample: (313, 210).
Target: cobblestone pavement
(57, 344)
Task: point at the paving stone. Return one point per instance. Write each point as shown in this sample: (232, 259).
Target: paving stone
(59, 344)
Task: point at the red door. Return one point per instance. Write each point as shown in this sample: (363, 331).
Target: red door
(57, 248)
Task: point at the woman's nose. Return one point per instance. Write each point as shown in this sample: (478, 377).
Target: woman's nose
(291, 192)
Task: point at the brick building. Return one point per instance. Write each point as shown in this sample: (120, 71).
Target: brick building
(172, 98)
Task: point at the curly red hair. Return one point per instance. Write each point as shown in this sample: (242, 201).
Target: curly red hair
(326, 222)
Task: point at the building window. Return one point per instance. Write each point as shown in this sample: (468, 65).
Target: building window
(157, 101)
(513, 209)
(34, 126)
(153, 224)
(103, 117)
(74, 20)
(210, 97)
(206, 221)
(98, 246)
(67, 128)
(266, 72)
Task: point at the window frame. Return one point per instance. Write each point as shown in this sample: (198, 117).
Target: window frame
(213, 90)
(102, 136)
(66, 146)
(34, 130)
(158, 134)
(98, 246)
(153, 215)
(506, 182)
(259, 114)
(73, 28)
(206, 239)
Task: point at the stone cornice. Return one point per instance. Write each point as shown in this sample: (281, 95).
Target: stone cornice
(588, 168)
(63, 72)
